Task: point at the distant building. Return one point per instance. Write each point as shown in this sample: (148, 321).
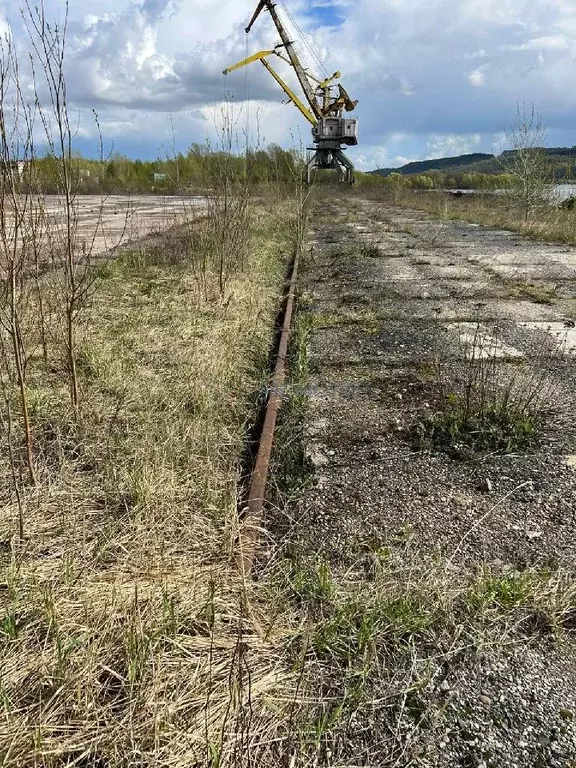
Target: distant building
(17, 167)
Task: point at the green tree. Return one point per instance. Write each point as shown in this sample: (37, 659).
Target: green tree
(527, 163)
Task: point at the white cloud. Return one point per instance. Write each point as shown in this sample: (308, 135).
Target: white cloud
(477, 77)
(409, 64)
(499, 141)
(481, 54)
(546, 43)
(446, 146)
(377, 157)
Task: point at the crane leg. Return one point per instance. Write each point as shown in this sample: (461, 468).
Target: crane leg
(310, 165)
(330, 159)
(346, 166)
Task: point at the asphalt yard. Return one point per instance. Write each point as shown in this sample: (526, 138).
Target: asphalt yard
(413, 320)
(400, 305)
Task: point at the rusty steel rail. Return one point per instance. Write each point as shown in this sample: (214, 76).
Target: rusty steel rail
(251, 516)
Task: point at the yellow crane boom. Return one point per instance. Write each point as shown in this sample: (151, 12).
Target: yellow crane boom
(301, 74)
(261, 57)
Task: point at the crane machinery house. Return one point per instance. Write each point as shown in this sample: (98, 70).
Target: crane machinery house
(323, 104)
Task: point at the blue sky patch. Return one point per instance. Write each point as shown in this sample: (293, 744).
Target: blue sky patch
(325, 15)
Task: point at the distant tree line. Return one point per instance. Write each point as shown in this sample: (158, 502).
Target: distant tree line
(198, 169)
(437, 180)
(562, 162)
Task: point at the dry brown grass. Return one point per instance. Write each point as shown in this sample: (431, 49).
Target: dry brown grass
(547, 223)
(126, 635)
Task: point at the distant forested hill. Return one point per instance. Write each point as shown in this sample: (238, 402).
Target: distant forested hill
(563, 159)
(441, 164)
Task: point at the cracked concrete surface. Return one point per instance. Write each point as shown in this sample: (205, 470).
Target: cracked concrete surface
(104, 223)
(390, 292)
(387, 299)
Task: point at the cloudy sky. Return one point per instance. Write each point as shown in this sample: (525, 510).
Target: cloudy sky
(433, 77)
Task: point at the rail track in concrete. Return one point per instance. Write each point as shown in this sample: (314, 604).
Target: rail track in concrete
(252, 510)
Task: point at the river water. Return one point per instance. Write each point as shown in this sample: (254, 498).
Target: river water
(558, 192)
(563, 192)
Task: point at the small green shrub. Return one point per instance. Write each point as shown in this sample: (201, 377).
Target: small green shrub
(538, 294)
(106, 270)
(460, 431)
(371, 251)
(485, 403)
(502, 592)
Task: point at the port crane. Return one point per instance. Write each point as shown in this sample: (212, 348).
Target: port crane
(323, 105)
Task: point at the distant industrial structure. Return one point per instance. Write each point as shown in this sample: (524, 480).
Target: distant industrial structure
(330, 130)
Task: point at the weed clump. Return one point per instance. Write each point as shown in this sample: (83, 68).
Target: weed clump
(462, 431)
(371, 251)
(538, 294)
(394, 636)
(491, 405)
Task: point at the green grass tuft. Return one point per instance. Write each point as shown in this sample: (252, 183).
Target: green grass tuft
(462, 432)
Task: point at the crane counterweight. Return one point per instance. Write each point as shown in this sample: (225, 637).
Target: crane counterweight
(331, 131)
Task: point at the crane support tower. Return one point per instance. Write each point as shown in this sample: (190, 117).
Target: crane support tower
(326, 100)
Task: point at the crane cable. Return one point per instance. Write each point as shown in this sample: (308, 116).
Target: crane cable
(247, 106)
(303, 39)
